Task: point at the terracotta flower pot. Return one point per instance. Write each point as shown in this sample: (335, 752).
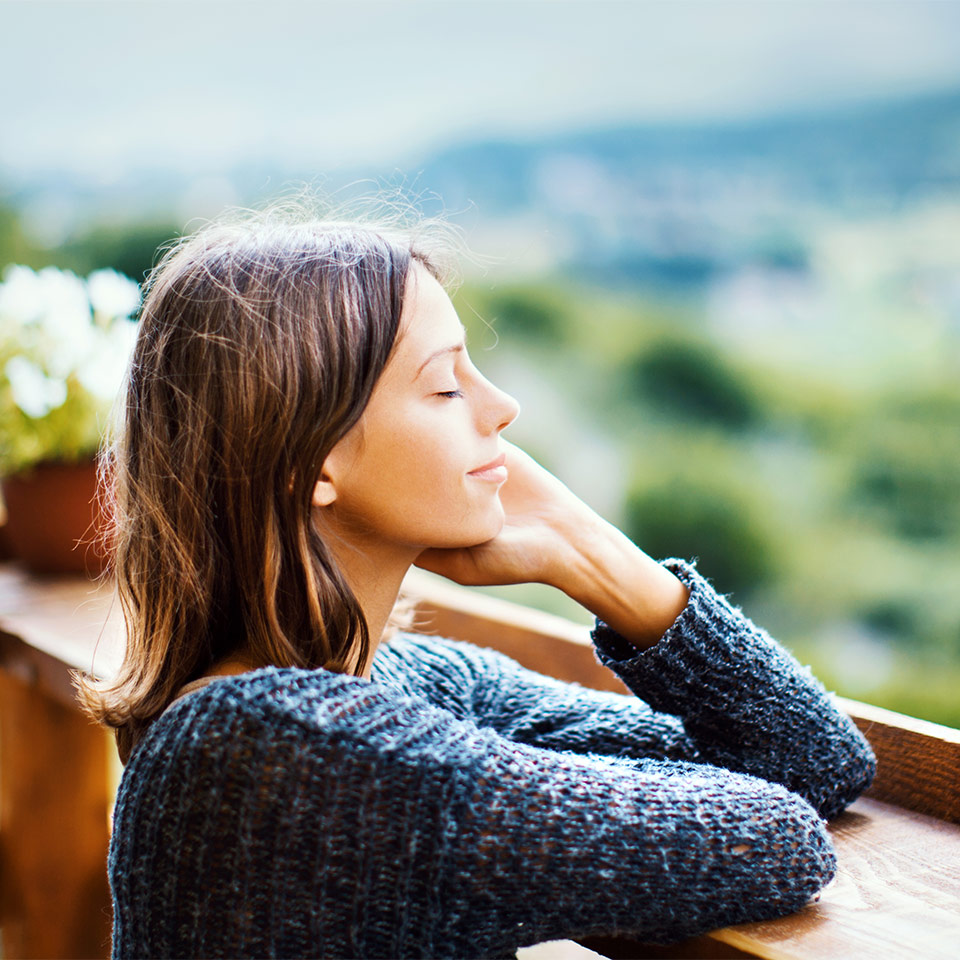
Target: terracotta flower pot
(54, 518)
(6, 551)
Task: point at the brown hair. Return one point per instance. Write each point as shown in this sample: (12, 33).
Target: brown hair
(260, 342)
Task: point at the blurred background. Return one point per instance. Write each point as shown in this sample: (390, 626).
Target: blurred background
(717, 252)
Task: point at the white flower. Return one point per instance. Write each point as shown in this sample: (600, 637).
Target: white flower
(53, 302)
(64, 304)
(103, 368)
(34, 392)
(112, 294)
(65, 345)
(21, 301)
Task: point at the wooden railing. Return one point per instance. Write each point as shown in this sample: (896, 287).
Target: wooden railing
(897, 894)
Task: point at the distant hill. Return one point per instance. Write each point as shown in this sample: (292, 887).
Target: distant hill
(677, 202)
(888, 149)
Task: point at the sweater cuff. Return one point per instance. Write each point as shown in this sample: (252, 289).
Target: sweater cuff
(704, 635)
(613, 649)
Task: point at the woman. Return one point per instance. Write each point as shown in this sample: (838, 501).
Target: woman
(302, 423)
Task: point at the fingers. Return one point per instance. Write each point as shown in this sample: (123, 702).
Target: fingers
(451, 564)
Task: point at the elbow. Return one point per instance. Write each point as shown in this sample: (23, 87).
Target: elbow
(851, 771)
(798, 859)
(776, 857)
(791, 866)
(853, 778)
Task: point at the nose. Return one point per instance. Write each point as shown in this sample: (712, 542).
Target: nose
(500, 409)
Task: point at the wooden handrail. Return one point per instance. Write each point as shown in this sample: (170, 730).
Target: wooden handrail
(899, 847)
(918, 762)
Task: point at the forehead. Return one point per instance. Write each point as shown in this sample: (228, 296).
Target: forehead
(428, 321)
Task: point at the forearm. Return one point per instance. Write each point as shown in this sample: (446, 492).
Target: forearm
(745, 701)
(617, 582)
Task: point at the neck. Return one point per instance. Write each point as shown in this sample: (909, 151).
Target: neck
(374, 572)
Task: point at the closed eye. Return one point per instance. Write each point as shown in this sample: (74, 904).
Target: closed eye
(450, 394)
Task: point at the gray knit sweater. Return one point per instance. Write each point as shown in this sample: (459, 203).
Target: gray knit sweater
(458, 805)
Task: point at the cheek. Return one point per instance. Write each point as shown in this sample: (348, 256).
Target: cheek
(434, 503)
(410, 486)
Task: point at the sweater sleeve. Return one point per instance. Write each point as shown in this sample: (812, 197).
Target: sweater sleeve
(495, 691)
(745, 701)
(549, 846)
(715, 688)
(280, 817)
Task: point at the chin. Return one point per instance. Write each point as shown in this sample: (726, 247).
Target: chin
(474, 531)
(492, 529)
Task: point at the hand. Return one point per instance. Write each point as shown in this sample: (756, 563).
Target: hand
(551, 536)
(542, 520)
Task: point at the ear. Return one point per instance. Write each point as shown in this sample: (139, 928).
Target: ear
(325, 489)
(324, 492)
(335, 470)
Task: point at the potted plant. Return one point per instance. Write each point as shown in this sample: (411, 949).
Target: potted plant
(64, 346)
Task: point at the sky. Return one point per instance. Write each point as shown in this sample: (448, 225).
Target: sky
(97, 89)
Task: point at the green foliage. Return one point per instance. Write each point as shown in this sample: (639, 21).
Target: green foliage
(529, 315)
(905, 471)
(15, 247)
(699, 516)
(693, 381)
(130, 249)
(525, 313)
(892, 617)
(914, 497)
(920, 685)
(68, 433)
(65, 343)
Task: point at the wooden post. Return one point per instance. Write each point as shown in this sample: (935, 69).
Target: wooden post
(54, 898)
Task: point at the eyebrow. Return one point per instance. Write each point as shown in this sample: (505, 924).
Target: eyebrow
(443, 351)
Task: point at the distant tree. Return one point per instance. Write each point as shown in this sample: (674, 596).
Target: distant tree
(526, 312)
(699, 518)
(692, 381)
(893, 617)
(905, 468)
(129, 248)
(15, 247)
(918, 500)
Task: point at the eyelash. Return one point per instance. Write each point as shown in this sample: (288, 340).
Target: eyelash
(450, 394)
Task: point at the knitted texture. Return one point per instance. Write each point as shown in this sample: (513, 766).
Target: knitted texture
(458, 805)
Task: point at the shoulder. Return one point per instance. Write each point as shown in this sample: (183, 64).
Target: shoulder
(256, 712)
(303, 737)
(450, 674)
(290, 716)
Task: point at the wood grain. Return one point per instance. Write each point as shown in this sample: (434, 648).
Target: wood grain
(918, 762)
(696, 948)
(75, 620)
(53, 828)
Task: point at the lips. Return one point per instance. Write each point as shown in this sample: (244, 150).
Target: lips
(495, 471)
(492, 465)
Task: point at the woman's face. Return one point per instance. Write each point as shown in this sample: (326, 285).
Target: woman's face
(409, 473)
